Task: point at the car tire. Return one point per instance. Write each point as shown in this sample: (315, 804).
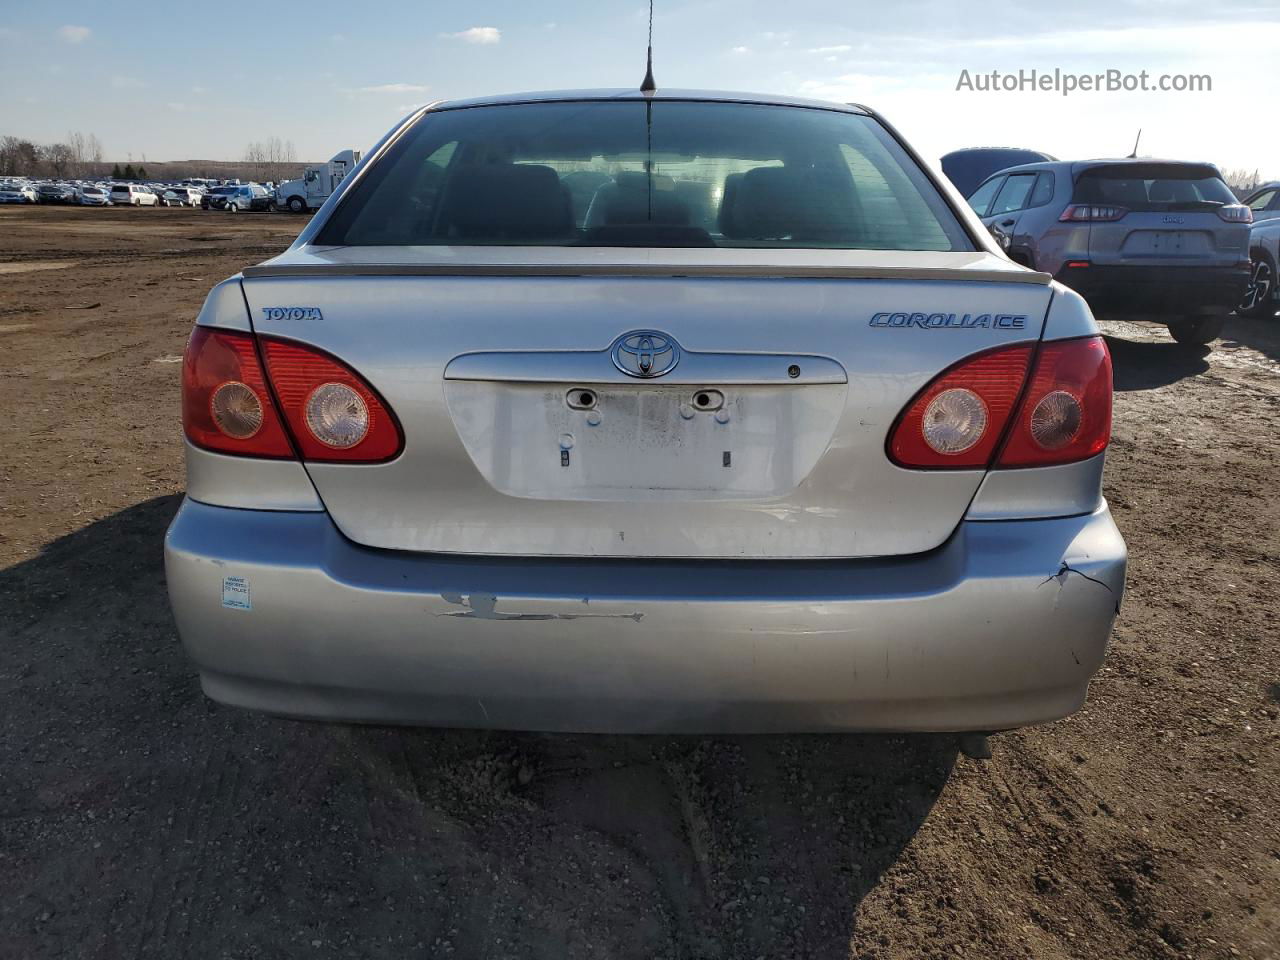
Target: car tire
(1259, 299)
(297, 205)
(230, 208)
(1196, 331)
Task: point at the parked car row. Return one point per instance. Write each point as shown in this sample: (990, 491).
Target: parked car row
(232, 197)
(1162, 240)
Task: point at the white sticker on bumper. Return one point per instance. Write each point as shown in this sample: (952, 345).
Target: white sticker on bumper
(235, 593)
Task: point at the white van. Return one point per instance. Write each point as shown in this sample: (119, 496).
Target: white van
(132, 195)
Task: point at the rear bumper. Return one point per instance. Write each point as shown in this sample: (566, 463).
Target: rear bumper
(988, 632)
(1173, 291)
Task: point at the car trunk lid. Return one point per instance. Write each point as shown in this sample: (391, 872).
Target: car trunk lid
(766, 437)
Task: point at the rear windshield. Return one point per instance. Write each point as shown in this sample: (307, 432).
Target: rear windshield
(659, 174)
(1154, 187)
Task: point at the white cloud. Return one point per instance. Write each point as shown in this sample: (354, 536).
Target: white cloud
(838, 48)
(73, 34)
(393, 88)
(741, 50)
(177, 107)
(198, 90)
(482, 35)
(126, 83)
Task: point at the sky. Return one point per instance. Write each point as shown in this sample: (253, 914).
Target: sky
(161, 82)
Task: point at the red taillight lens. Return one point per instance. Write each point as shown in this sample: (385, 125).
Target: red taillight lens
(1086, 212)
(226, 406)
(333, 414)
(1066, 413)
(1236, 213)
(958, 419)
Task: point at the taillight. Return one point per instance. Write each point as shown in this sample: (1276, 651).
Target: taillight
(1066, 413)
(226, 405)
(230, 404)
(958, 419)
(333, 414)
(1085, 212)
(1236, 213)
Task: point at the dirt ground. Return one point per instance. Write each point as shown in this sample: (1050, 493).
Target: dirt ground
(139, 820)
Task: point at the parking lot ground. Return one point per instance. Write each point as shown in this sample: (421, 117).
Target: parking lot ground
(139, 820)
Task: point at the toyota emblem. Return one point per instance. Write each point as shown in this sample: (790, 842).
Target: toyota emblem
(645, 353)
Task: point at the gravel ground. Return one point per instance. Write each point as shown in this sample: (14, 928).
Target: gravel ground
(137, 819)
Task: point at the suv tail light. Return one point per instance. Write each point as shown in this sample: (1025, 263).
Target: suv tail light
(305, 401)
(960, 420)
(1085, 212)
(1236, 213)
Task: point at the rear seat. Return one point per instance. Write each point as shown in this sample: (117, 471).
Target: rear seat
(505, 201)
(773, 203)
(628, 200)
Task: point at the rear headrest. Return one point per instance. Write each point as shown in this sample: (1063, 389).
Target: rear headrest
(772, 203)
(1111, 190)
(638, 180)
(519, 201)
(1172, 191)
(628, 200)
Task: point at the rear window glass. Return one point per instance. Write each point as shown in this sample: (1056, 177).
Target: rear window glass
(1154, 187)
(663, 174)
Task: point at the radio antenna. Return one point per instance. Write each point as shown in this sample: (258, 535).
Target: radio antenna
(647, 85)
(1136, 141)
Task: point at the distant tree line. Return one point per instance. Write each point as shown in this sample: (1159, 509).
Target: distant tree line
(1243, 182)
(79, 155)
(272, 159)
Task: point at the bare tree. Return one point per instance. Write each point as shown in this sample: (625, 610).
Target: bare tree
(76, 144)
(86, 152)
(255, 155)
(18, 157)
(58, 157)
(1242, 182)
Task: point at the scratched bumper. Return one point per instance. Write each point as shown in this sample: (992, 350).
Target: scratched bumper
(990, 631)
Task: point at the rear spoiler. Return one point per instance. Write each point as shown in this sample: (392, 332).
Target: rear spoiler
(762, 271)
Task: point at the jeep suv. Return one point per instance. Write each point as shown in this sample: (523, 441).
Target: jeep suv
(1151, 239)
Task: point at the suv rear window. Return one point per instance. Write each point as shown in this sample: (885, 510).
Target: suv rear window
(1154, 187)
(657, 174)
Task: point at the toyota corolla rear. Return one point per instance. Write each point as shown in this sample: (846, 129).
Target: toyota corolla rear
(611, 413)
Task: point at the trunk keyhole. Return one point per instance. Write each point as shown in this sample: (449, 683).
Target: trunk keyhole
(580, 399)
(708, 400)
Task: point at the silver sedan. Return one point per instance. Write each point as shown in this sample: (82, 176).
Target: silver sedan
(681, 412)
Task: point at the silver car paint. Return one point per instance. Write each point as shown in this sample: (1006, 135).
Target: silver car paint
(401, 332)
(1002, 627)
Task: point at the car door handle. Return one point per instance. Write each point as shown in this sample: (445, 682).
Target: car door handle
(1008, 223)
